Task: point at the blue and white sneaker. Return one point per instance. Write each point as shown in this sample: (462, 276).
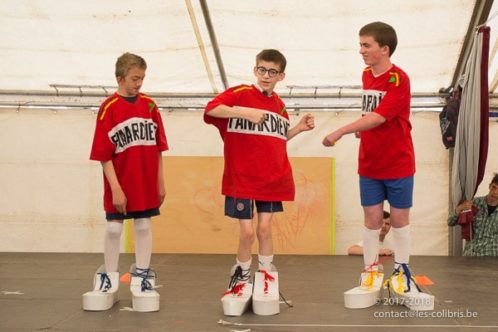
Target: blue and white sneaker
(104, 293)
(144, 296)
(403, 289)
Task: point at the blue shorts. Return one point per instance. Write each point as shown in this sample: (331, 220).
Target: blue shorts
(241, 208)
(398, 192)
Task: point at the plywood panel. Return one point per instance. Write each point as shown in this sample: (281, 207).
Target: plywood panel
(192, 219)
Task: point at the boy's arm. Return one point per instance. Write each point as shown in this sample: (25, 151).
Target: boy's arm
(118, 196)
(369, 121)
(306, 123)
(225, 112)
(160, 181)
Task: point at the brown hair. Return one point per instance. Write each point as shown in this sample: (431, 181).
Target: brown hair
(271, 55)
(495, 178)
(382, 33)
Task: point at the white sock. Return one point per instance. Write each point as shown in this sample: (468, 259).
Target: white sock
(264, 262)
(370, 247)
(111, 245)
(244, 265)
(143, 243)
(402, 244)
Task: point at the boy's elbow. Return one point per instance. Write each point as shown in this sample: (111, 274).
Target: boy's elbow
(379, 119)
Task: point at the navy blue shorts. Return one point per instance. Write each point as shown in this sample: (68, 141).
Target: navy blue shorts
(398, 192)
(132, 215)
(241, 208)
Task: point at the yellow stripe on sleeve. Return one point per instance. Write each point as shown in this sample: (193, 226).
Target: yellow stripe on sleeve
(107, 106)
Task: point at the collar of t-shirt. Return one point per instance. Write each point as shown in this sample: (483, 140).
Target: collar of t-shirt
(262, 91)
(491, 209)
(131, 100)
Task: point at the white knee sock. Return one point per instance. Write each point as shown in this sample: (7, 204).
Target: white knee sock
(402, 244)
(265, 262)
(143, 242)
(244, 265)
(111, 245)
(370, 247)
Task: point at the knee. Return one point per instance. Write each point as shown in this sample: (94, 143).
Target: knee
(264, 232)
(142, 225)
(247, 236)
(114, 229)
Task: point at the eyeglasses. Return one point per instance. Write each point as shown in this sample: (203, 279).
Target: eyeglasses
(271, 72)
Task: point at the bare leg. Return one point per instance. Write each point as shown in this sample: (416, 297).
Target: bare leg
(371, 232)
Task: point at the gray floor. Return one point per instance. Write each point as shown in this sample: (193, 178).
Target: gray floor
(42, 292)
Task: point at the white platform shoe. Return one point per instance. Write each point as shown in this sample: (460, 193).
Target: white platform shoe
(265, 299)
(404, 290)
(143, 294)
(104, 293)
(236, 299)
(367, 293)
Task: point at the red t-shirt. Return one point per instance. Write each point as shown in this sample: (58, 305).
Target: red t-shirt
(386, 151)
(131, 135)
(256, 162)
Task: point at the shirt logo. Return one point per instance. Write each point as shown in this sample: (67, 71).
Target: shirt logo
(274, 125)
(151, 107)
(371, 99)
(133, 132)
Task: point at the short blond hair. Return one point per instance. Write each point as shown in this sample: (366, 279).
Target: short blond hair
(127, 61)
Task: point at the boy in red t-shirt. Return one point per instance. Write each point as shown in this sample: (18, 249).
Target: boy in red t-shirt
(128, 141)
(255, 128)
(386, 161)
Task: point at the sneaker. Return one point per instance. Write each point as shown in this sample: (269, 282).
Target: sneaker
(236, 299)
(265, 300)
(403, 289)
(105, 291)
(238, 280)
(145, 298)
(367, 293)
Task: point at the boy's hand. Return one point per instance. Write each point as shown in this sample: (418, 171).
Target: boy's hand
(464, 206)
(119, 200)
(332, 138)
(307, 122)
(255, 115)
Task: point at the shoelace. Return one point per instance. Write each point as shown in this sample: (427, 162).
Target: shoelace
(144, 274)
(372, 274)
(105, 282)
(403, 269)
(234, 286)
(268, 278)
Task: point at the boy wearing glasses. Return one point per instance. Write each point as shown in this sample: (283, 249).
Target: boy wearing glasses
(254, 125)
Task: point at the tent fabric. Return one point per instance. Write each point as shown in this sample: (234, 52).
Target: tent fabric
(472, 133)
(76, 42)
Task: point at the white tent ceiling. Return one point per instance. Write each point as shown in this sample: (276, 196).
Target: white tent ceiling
(76, 42)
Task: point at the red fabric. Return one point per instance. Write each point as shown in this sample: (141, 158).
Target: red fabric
(386, 151)
(465, 220)
(256, 162)
(484, 132)
(131, 135)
